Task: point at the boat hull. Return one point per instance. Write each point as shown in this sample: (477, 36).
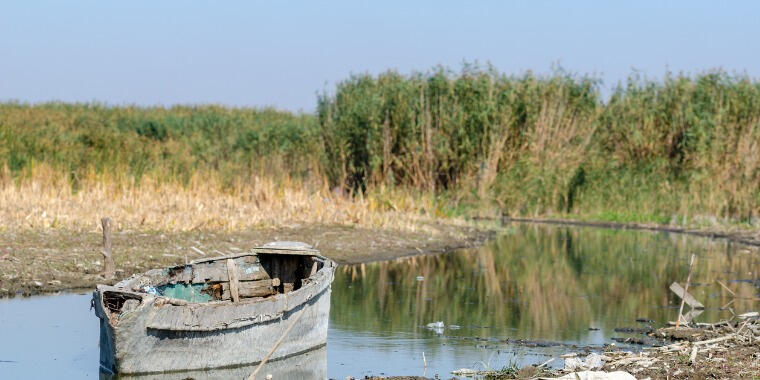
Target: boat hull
(158, 338)
(308, 366)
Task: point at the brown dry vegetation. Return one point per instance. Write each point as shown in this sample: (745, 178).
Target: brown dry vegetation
(50, 236)
(47, 200)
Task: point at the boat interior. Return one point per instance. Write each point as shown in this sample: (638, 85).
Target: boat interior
(261, 273)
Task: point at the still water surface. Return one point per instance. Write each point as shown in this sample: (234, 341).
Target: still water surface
(538, 283)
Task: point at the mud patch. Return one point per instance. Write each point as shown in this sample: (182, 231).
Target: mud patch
(33, 262)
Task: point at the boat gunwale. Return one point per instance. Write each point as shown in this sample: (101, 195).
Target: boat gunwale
(263, 251)
(179, 302)
(314, 285)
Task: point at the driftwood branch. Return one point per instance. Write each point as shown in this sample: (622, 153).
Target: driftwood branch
(109, 270)
(685, 290)
(726, 287)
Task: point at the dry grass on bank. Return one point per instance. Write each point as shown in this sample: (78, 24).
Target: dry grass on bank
(47, 200)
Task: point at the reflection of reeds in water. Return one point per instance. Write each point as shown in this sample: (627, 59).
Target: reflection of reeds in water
(547, 282)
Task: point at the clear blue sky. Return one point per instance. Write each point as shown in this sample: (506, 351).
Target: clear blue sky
(281, 53)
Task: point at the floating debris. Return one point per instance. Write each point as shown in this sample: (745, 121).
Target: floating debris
(437, 327)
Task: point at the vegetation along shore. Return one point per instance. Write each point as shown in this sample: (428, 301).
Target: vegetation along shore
(405, 161)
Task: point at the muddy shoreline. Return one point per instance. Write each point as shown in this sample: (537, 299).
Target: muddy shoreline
(747, 237)
(43, 261)
(36, 262)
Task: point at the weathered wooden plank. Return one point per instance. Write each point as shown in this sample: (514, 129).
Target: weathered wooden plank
(688, 298)
(219, 316)
(183, 273)
(299, 252)
(248, 289)
(232, 272)
(249, 269)
(210, 272)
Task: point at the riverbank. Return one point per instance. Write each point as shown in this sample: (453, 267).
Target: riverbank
(747, 235)
(40, 260)
(36, 261)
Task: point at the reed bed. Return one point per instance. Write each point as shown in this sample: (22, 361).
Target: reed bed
(682, 150)
(679, 150)
(204, 202)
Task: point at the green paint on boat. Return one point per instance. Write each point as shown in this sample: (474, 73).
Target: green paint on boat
(187, 292)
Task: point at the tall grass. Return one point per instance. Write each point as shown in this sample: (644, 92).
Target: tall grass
(182, 168)
(126, 143)
(683, 149)
(535, 145)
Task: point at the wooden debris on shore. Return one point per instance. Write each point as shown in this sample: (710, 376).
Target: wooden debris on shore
(685, 293)
(699, 344)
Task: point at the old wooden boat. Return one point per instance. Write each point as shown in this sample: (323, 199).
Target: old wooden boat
(220, 312)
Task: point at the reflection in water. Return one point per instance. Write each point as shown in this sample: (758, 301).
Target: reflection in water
(311, 365)
(541, 283)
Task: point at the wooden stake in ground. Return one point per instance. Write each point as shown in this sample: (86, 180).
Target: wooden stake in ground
(685, 290)
(109, 270)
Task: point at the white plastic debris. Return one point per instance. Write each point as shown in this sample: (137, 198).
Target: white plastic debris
(592, 361)
(571, 364)
(597, 375)
(420, 278)
(150, 290)
(437, 327)
(464, 372)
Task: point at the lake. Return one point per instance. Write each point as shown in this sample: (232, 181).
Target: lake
(529, 295)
